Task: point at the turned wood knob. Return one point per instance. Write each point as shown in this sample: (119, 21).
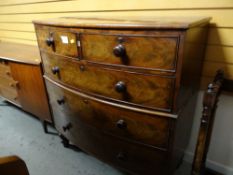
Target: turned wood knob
(82, 68)
(14, 84)
(67, 127)
(121, 156)
(50, 41)
(61, 101)
(4, 62)
(121, 124)
(119, 50)
(120, 87)
(55, 70)
(8, 73)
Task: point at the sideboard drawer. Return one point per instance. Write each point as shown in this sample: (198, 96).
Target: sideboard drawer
(152, 91)
(58, 41)
(72, 108)
(5, 68)
(10, 94)
(8, 86)
(9, 83)
(153, 52)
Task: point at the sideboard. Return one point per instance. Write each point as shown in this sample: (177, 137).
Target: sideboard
(21, 81)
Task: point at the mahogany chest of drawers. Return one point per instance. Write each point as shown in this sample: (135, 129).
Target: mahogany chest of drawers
(124, 90)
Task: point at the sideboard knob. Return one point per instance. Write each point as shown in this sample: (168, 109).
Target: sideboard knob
(14, 84)
(8, 73)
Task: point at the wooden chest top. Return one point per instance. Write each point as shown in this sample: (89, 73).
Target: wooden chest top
(20, 53)
(127, 22)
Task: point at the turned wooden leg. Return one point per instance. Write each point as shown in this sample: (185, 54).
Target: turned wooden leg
(64, 141)
(45, 126)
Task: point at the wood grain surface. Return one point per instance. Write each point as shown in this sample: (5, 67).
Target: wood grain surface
(31, 89)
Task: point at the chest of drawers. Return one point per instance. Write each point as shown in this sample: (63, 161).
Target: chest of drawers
(124, 90)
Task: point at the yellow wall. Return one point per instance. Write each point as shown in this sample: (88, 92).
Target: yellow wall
(16, 17)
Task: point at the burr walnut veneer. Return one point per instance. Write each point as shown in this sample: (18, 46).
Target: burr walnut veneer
(124, 89)
(21, 81)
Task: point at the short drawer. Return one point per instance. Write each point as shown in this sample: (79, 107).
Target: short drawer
(10, 94)
(69, 109)
(5, 68)
(57, 41)
(8, 82)
(151, 52)
(145, 90)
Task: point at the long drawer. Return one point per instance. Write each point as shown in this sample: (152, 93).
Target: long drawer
(152, 91)
(125, 155)
(69, 109)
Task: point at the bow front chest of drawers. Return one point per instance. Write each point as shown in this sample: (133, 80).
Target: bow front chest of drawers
(124, 90)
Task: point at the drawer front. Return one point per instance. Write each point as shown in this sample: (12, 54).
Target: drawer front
(144, 128)
(8, 83)
(5, 68)
(145, 90)
(128, 156)
(138, 51)
(10, 94)
(8, 86)
(58, 41)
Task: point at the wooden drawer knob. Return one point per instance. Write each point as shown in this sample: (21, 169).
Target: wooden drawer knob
(120, 87)
(55, 70)
(67, 127)
(121, 156)
(121, 124)
(61, 101)
(4, 62)
(8, 73)
(14, 84)
(119, 50)
(85, 101)
(82, 68)
(50, 41)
